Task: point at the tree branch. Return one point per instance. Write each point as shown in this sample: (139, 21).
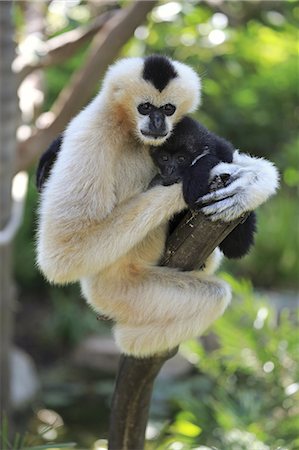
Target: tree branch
(59, 48)
(104, 48)
(188, 247)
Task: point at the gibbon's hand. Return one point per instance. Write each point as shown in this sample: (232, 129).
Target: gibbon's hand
(156, 181)
(253, 181)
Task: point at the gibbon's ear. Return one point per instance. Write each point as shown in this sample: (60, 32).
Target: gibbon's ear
(46, 163)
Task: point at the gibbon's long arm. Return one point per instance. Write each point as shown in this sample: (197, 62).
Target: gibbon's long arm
(73, 250)
(254, 181)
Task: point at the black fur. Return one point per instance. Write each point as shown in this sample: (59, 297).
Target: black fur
(190, 137)
(241, 239)
(46, 162)
(159, 71)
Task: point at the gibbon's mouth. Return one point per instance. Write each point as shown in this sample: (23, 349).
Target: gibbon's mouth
(153, 134)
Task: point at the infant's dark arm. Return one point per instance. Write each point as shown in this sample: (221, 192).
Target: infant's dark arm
(223, 149)
(46, 162)
(196, 179)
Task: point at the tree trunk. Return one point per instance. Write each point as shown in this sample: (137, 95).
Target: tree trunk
(8, 114)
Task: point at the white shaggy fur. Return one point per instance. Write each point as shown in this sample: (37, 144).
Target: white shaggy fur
(98, 222)
(254, 181)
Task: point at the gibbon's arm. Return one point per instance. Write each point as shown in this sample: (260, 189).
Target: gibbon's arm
(254, 181)
(71, 249)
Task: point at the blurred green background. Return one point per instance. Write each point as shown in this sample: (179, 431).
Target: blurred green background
(241, 395)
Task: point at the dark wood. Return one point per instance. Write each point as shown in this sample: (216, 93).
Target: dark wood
(131, 400)
(187, 248)
(194, 239)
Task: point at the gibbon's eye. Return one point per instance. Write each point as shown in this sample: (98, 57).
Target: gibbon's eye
(144, 108)
(181, 159)
(169, 109)
(164, 158)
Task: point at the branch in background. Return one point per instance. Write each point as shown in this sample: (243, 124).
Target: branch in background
(104, 49)
(188, 247)
(59, 48)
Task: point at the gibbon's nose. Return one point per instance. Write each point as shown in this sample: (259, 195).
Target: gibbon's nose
(170, 170)
(157, 123)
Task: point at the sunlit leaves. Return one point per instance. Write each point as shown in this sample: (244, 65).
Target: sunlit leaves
(245, 392)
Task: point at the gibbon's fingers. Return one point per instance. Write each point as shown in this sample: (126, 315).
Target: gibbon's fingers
(239, 179)
(226, 210)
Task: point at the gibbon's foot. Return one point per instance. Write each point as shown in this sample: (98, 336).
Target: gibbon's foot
(157, 337)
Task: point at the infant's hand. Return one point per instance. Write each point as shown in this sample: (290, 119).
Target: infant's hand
(156, 181)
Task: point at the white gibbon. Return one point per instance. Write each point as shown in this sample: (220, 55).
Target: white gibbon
(100, 224)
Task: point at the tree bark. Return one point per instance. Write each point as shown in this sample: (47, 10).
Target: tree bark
(8, 114)
(59, 48)
(188, 247)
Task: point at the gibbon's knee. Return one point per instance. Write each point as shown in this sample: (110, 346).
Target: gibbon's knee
(143, 340)
(160, 295)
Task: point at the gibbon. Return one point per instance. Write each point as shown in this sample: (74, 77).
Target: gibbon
(98, 222)
(189, 156)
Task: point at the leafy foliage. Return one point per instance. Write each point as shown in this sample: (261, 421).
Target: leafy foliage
(244, 394)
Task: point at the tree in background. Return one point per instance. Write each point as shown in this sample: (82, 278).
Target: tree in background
(8, 116)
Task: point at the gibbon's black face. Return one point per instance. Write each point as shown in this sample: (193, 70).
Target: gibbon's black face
(154, 124)
(171, 165)
(158, 103)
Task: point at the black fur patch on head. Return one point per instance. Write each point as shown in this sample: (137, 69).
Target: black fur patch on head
(158, 70)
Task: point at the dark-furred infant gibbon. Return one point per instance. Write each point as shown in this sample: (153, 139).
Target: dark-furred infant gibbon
(100, 224)
(189, 155)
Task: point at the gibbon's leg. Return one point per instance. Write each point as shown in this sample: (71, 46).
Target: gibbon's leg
(163, 307)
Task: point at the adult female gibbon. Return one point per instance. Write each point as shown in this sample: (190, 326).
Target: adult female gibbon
(98, 222)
